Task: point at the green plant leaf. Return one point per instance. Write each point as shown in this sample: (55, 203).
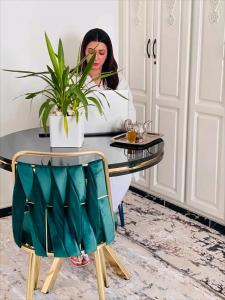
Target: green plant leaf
(54, 79)
(65, 105)
(24, 72)
(76, 115)
(86, 71)
(65, 123)
(118, 93)
(52, 56)
(65, 79)
(44, 117)
(32, 94)
(61, 58)
(89, 91)
(82, 98)
(102, 76)
(105, 98)
(39, 75)
(41, 109)
(75, 70)
(97, 104)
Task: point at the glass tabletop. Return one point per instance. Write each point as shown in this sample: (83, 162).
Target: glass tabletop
(121, 161)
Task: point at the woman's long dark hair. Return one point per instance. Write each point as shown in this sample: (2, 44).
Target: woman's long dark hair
(99, 35)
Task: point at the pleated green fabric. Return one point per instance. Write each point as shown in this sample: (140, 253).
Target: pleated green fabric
(59, 201)
(98, 207)
(77, 216)
(27, 224)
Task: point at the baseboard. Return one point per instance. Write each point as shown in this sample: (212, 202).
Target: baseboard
(203, 220)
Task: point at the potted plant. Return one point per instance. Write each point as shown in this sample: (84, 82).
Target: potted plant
(66, 97)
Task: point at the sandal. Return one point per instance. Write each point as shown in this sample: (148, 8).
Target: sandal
(80, 261)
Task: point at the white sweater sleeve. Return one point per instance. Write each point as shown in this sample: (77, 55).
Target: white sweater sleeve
(123, 85)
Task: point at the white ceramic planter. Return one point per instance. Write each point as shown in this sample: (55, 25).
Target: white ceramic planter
(58, 136)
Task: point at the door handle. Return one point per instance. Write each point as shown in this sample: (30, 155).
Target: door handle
(147, 48)
(153, 49)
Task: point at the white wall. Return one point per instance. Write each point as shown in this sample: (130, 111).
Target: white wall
(22, 27)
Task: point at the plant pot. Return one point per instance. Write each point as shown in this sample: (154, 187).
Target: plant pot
(58, 136)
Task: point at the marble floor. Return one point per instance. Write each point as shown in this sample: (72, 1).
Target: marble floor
(169, 256)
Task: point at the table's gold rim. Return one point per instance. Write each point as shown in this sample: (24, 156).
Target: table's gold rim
(137, 166)
(116, 170)
(3, 162)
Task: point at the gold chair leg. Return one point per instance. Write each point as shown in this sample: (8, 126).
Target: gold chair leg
(114, 261)
(37, 263)
(52, 275)
(104, 273)
(99, 275)
(31, 276)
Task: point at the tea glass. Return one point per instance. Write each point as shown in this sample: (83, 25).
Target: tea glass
(140, 129)
(131, 133)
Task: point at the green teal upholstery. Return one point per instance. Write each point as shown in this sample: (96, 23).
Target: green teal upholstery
(70, 203)
(99, 211)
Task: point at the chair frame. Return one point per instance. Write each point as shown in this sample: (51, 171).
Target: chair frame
(103, 252)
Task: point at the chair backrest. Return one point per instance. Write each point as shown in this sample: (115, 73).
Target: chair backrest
(60, 210)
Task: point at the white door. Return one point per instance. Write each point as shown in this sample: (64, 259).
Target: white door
(205, 155)
(169, 94)
(136, 42)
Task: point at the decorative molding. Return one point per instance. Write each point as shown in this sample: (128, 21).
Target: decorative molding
(124, 37)
(214, 15)
(137, 4)
(170, 7)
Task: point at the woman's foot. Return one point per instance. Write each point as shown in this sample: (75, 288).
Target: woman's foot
(86, 259)
(80, 261)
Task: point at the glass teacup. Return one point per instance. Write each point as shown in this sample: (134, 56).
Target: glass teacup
(140, 129)
(131, 133)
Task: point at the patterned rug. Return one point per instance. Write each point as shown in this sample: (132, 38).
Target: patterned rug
(186, 245)
(168, 256)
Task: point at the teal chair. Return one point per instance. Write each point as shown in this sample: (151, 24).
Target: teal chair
(59, 211)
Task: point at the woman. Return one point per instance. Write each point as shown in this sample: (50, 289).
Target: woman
(98, 41)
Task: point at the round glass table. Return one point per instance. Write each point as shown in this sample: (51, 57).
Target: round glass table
(121, 161)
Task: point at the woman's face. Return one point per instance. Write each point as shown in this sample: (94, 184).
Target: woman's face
(101, 54)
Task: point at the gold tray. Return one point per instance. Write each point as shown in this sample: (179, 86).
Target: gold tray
(148, 138)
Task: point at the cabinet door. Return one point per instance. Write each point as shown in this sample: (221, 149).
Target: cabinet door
(205, 156)
(170, 73)
(136, 24)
